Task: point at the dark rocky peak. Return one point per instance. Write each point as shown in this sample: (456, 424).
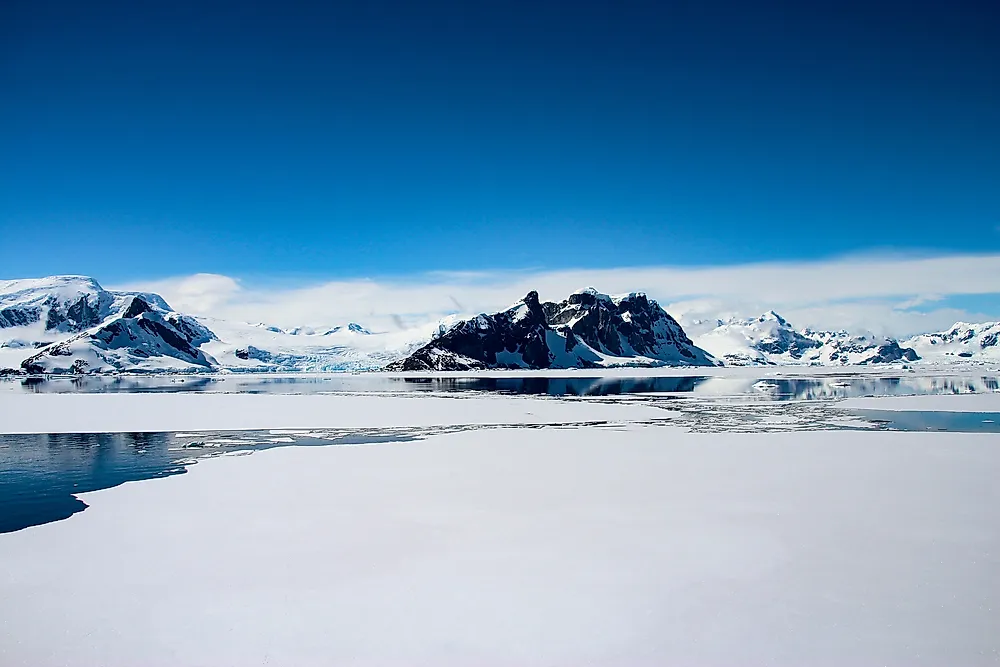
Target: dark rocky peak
(136, 307)
(624, 326)
(531, 300)
(582, 331)
(771, 316)
(513, 338)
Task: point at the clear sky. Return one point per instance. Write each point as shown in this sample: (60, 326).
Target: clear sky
(353, 139)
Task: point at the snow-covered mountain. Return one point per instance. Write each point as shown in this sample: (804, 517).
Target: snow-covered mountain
(313, 331)
(770, 339)
(965, 342)
(587, 330)
(60, 321)
(43, 308)
(141, 337)
(70, 324)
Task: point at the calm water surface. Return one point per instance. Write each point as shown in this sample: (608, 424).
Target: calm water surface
(779, 389)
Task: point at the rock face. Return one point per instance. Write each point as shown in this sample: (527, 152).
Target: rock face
(70, 324)
(629, 326)
(140, 338)
(586, 330)
(516, 337)
(771, 340)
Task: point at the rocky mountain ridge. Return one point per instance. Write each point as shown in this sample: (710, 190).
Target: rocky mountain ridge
(140, 337)
(771, 340)
(587, 330)
(962, 341)
(70, 324)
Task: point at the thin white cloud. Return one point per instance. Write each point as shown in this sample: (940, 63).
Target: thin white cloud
(199, 293)
(867, 293)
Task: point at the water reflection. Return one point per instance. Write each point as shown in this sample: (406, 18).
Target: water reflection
(39, 473)
(777, 389)
(799, 389)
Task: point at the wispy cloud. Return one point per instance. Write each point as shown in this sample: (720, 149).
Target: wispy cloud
(872, 293)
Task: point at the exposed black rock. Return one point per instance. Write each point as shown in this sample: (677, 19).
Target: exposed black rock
(579, 332)
(628, 326)
(19, 317)
(136, 307)
(500, 340)
(251, 352)
(139, 334)
(889, 352)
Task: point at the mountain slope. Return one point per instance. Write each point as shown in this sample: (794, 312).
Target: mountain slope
(586, 330)
(264, 348)
(630, 326)
(140, 338)
(70, 324)
(963, 341)
(62, 304)
(771, 340)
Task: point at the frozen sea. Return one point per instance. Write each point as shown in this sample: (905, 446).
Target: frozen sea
(502, 519)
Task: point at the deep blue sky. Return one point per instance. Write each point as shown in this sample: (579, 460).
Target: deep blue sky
(140, 140)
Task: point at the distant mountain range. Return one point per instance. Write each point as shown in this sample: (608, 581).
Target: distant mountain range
(771, 340)
(962, 341)
(71, 325)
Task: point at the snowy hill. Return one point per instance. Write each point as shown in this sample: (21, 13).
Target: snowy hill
(141, 337)
(963, 342)
(70, 324)
(771, 340)
(60, 304)
(37, 313)
(587, 330)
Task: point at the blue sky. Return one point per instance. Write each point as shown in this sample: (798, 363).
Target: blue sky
(298, 141)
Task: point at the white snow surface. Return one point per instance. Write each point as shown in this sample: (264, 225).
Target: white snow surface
(979, 342)
(771, 340)
(631, 546)
(334, 349)
(59, 291)
(153, 412)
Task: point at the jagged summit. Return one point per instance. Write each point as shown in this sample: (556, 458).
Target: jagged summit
(771, 316)
(140, 337)
(72, 324)
(588, 329)
(514, 338)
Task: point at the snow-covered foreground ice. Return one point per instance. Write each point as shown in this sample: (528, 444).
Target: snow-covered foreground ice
(557, 546)
(103, 413)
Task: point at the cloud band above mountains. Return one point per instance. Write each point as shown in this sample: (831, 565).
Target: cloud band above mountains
(883, 294)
